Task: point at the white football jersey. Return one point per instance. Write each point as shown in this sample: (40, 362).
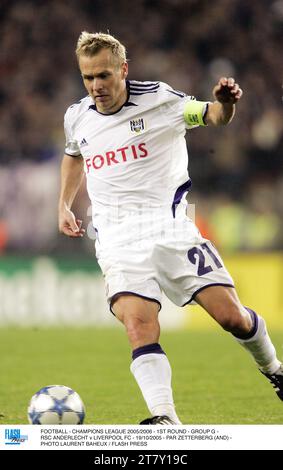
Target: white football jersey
(136, 157)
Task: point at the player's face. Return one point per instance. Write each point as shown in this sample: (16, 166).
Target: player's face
(104, 79)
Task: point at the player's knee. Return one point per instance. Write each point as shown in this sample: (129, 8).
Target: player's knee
(141, 331)
(136, 324)
(140, 318)
(234, 321)
(134, 331)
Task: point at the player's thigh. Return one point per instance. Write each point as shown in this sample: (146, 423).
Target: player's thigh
(130, 307)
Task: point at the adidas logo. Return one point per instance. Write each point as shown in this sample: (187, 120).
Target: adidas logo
(83, 142)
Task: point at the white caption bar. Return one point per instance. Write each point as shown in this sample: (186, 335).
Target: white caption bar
(198, 437)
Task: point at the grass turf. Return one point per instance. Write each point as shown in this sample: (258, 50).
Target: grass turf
(214, 380)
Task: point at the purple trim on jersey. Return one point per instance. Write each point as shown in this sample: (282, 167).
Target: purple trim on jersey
(143, 89)
(180, 93)
(254, 329)
(126, 292)
(205, 287)
(179, 194)
(153, 348)
(142, 92)
(141, 85)
(74, 156)
(129, 103)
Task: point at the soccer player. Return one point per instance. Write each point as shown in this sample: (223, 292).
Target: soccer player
(128, 138)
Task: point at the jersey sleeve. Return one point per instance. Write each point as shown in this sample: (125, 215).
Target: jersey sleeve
(71, 145)
(180, 110)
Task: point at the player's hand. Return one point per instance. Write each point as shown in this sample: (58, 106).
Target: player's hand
(227, 91)
(69, 225)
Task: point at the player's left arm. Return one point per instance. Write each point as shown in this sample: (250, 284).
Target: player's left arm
(226, 93)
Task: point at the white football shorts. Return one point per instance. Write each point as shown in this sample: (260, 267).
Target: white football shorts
(167, 255)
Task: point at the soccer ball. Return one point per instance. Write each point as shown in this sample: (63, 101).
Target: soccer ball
(56, 404)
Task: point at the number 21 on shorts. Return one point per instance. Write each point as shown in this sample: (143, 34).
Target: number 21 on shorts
(196, 256)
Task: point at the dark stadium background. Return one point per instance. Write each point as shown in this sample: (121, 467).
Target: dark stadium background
(237, 172)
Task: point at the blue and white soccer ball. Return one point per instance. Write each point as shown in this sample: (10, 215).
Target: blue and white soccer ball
(56, 404)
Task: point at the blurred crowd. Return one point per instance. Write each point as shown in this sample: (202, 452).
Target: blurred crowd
(237, 171)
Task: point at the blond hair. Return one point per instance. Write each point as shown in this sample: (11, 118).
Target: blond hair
(90, 44)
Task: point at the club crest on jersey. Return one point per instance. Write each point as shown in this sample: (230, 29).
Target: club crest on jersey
(137, 126)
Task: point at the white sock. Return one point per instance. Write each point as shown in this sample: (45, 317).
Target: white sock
(260, 346)
(153, 374)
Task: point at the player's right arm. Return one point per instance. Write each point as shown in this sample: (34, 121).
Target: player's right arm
(71, 177)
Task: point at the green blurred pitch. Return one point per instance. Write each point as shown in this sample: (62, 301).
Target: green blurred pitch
(215, 381)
